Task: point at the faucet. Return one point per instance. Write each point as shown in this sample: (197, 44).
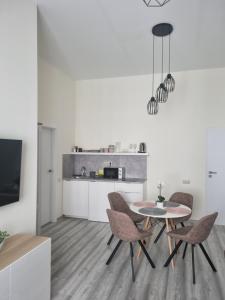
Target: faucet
(83, 171)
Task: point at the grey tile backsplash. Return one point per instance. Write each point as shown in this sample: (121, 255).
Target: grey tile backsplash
(136, 166)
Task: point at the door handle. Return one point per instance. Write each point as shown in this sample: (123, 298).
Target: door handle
(212, 172)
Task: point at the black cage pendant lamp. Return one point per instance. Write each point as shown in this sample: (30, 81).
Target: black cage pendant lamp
(162, 30)
(169, 80)
(153, 106)
(155, 3)
(162, 92)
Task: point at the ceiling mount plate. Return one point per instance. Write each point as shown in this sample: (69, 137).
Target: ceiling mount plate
(162, 29)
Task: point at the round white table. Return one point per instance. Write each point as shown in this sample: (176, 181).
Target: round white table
(171, 214)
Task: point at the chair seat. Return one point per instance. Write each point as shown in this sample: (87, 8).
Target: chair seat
(182, 234)
(181, 220)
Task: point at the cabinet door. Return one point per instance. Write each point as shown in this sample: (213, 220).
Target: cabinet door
(5, 284)
(75, 198)
(98, 200)
(30, 275)
(132, 192)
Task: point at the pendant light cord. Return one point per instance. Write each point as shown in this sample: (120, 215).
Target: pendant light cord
(162, 59)
(153, 65)
(169, 54)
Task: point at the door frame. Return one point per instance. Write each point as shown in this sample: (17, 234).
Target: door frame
(206, 210)
(53, 204)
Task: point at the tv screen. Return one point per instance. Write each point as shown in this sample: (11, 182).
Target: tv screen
(10, 165)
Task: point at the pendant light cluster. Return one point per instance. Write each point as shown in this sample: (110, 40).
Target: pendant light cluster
(155, 3)
(167, 85)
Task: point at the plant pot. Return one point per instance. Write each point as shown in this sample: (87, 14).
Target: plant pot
(159, 204)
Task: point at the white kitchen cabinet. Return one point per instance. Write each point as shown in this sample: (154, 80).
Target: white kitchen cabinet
(98, 200)
(131, 191)
(75, 198)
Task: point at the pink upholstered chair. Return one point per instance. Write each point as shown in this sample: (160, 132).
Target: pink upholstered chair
(124, 229)
(180, 198)
(194, 235)
(118, 203)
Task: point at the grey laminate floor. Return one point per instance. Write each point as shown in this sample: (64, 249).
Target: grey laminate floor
(79, 253)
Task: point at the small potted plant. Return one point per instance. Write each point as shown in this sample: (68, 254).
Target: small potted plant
(3, 237)
(161, 199)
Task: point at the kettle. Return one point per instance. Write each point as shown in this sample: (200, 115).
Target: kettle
(142, 148)
(83, 171)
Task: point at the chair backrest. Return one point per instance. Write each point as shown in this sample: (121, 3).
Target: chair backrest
(118, 203)
(182, 198)
(122, 226)
(201, 230)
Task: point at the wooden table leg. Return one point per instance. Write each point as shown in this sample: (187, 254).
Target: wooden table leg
(146, 226)
(173, 226)
(169, 241)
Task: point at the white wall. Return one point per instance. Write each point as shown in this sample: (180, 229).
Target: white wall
(56, 109)
(18, 102)
(110, 110)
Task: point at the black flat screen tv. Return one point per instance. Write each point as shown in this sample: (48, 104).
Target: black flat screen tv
(10, 166)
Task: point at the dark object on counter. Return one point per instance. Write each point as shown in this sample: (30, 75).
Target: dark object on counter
(114, 173)
(142, 148)
(80, 150)
(92, 174)
(83, 171)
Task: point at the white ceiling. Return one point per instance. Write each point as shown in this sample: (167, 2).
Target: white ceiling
(108, 38)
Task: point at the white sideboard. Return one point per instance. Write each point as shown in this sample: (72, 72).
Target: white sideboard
(89, 199)
(25, 268)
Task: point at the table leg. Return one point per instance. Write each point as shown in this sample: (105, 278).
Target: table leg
(146, 226)
(169, 241)
(173, 227)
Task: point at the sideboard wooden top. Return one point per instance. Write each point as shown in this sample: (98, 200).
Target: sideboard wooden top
(17, 246)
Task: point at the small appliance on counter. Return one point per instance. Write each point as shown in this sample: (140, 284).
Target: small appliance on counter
(92, 174)
(114, 173)
(142, 148)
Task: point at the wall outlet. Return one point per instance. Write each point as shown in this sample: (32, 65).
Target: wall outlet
(186, 181)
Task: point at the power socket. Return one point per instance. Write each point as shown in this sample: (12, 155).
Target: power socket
(186, 181)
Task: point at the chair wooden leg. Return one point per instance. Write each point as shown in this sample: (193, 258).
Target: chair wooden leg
(185, 249)
(193, 262)
(132, 262)
(146, 254)
(207, 257)
(110, 239)
(160, 233)
(114, 252)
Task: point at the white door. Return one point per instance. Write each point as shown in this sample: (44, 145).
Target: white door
(98, 200)
(216, 173)
(45, 175)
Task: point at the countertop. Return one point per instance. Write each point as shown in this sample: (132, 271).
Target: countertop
(88, 178)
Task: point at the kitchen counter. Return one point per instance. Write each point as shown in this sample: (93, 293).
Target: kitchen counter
(100, 178)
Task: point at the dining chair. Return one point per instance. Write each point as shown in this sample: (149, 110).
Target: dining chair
(118, 203)
(180, 198)
(194, 235)
(124, 229)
